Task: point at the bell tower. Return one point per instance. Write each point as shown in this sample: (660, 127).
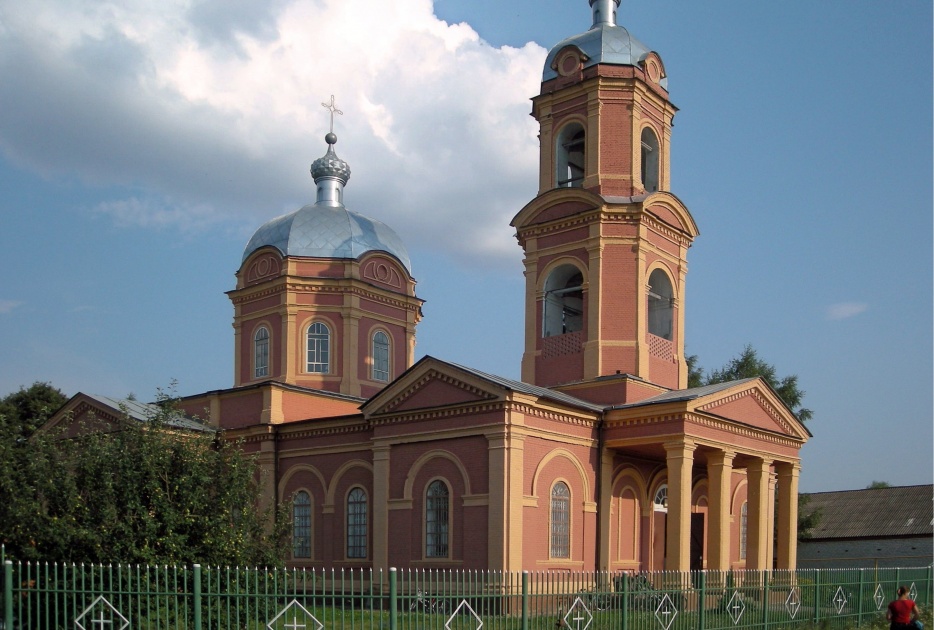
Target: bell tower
(605, 240)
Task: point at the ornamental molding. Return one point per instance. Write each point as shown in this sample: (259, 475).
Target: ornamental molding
(435, 414)
(535, 411)
(638, 215)
(743, 430)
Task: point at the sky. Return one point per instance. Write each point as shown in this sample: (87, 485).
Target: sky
(142, 143)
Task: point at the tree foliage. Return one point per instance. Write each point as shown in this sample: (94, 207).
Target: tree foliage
(143, 493)
(24, 411)
(875, 485)
(748, 364)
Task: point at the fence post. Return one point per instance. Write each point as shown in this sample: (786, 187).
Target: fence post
(197, 596)
(929, 591)
(525, 600)
(859, 597)
(817, 574)
(8, 594)
(393, 600)
(625, 603)
(702, 601)
(765, 599)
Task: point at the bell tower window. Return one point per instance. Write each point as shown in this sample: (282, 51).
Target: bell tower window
(569, 157)
(649, 160)
(661, 304)
(563, 304)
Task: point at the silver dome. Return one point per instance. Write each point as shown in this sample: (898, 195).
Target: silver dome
(324, 231)
(605, 42)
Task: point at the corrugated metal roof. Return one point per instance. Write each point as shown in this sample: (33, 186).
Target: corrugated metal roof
(876, 512)
(532, 390)
(144, 412)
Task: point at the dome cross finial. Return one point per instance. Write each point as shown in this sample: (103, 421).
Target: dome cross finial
(331, 107)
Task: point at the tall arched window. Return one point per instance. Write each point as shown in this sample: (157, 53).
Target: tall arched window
(661, 304)
(301, 525)
(743, 531)
(261, 352)
(650, 159)
(319, 349)
(569, 157)
(356, 523)
(563, 308)
(436, 520)
(560, 520)
(380, 356)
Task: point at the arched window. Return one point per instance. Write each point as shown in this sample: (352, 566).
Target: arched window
(650, 159)
(436, 520)
(743, 532)
(356, 523)
(301, 525)
(380, 356)
(660, 502)
(261, 352)
(560, 521)
(563, 308)
(569, 157)
(661, 304)
(319, 349)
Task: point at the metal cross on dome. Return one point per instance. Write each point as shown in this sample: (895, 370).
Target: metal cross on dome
(331, 107)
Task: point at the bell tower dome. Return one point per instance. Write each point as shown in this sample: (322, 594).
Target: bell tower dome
(605, 240)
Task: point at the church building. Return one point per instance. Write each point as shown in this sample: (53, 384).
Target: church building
(600, 458)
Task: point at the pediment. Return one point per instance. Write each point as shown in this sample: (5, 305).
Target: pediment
(753, 404)
(556, 204)
(430, 384)
(83, 415)
(668, 208)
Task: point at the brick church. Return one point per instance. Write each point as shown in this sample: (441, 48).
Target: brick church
(600, 458)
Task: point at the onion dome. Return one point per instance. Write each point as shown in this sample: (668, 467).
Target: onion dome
(606, 42)
(327, 229)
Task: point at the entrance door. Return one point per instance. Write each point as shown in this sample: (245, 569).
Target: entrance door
(697, 542)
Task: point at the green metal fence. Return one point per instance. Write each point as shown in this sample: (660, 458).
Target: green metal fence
(117, 597)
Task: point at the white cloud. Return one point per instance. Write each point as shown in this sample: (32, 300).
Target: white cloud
(218, 116)
(7, 306)
(844, 310)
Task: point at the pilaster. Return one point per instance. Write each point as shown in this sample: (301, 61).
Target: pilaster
(381, 498)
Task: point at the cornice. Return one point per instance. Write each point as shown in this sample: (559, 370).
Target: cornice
(637, 215)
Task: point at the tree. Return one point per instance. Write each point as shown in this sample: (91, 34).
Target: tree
(24, 411)
(748, 365)
(875, 485)
(142, 493)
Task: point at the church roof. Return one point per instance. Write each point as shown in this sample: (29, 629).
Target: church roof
(873, 512)
(327, 229)
(606, 43)
(532, 390)
(319, 231)
(680, 395)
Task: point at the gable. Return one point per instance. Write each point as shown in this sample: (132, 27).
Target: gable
(754, 407)
(82, 415)
(435, 389)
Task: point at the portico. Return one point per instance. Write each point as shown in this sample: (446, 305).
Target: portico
(729, 478)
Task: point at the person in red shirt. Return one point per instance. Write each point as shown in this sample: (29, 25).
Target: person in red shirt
(902, 612)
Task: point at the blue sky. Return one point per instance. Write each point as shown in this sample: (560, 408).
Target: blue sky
(141, 144)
